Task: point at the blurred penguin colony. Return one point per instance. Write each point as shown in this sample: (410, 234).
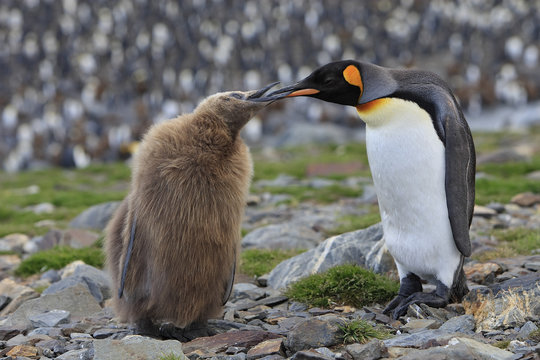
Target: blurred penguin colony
(80, 79)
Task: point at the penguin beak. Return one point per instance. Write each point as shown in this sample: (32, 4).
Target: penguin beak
(297, 89)
(257, 96)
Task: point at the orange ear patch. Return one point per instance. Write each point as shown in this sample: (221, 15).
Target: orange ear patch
(352, 76)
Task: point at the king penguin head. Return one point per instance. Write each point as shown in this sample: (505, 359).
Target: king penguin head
(345, 82)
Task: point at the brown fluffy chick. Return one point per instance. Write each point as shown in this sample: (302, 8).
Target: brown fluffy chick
(173, 242)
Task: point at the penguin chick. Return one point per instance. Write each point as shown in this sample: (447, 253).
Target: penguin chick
(422, 159)
(172, 244)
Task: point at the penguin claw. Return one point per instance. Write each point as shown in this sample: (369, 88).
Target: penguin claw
(430, 299)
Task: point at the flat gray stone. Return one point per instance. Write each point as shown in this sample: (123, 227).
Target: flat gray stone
(460, 348)
(76, 299)
(349, 248)
(50, 318)
(314, 332)
(97, 282)
(80, 354)
(464, 324)
(291, 235)
(136, 347)
(526, 329)
(95, 217)
(373, 350)
(419, 339)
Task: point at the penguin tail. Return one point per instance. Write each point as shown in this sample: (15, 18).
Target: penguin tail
(459, 288)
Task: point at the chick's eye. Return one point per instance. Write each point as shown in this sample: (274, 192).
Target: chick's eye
(237, 95)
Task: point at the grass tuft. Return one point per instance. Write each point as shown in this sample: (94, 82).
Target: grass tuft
(355, 222)
(57, 258)
(256, 262)
(503, 344)
(360, 331)
(512, 242)
(343, 285)
(535, 335)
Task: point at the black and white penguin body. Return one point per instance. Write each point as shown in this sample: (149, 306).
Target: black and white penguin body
(422, 160)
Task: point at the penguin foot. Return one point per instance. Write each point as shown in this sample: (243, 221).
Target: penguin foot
(146, 327)
(437, 299)
(431, 299)
(409, 285)
(393, 304)
(170, 331)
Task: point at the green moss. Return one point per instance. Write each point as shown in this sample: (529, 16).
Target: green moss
(70, 191)
(355, 222)
(503, 344)
(256, 262)
(503, 189)
(171, 356)
(323, 195)
(535, 335)
(295, 161)
(512, 242)
(360, 331)
(57, 258)
(343, 285)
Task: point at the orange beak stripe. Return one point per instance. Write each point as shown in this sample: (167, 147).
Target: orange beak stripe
(303, 92)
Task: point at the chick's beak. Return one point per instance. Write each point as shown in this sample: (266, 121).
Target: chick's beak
(257, 95)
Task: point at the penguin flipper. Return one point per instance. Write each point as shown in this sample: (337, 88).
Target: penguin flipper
(460, 171)
(230, 283)
(128, 256)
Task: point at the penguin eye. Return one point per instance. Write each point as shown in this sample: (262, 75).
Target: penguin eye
(237, 96)
(329, 81)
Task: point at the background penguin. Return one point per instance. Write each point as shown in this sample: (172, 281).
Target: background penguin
(172, 244)
(422, 159)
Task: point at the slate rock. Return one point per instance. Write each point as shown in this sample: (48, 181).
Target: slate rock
(9, 331)
(464, 324)
(95, 217)
(373, 350)
(420, 339)
(459, 348)
(51, 275)
(289, 235)
(79, 354)
(505, 305)
(348, 248)
(110, 333)
(50, 318)
(526, 329)
(4, 300)
(19, 294)
(526, 199)
(97, 281)
(315, 332)
(13, 242)
(266, 348)
(23, 351)
(482, 273)
(211, 345)
(415, 325)
(78, 238)
(311, 354)
(47, 241)
(9, 262)
(76, 299)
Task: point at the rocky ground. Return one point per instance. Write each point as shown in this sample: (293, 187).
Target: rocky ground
(66, 314)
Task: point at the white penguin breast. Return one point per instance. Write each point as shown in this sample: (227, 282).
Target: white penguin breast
(407, 161)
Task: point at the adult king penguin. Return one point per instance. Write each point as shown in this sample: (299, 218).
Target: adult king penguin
(422, 159)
